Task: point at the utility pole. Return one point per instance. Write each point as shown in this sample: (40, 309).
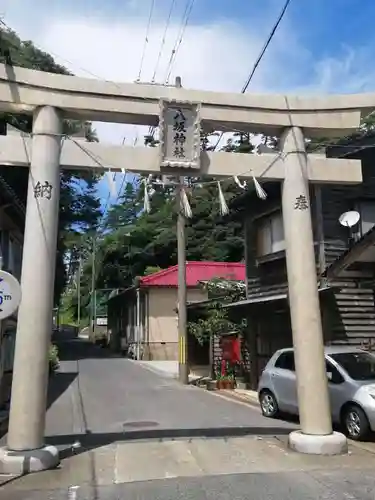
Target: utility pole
(183, 367)
(95, 295)
(79, 291)
(93, 279)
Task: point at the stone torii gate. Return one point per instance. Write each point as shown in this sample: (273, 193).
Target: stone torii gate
(50, 98)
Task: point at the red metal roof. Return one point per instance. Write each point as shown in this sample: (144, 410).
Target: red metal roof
(196, 272)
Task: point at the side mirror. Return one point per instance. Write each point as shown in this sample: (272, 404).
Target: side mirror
(330, 376)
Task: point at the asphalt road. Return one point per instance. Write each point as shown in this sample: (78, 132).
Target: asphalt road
(142, 436)
(114, 398)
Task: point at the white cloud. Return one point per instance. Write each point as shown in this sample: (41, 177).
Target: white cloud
(208, 57)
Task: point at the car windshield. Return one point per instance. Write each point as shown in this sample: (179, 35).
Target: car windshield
(358, 365)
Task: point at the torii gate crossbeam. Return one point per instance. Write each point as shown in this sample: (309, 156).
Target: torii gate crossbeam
(180, 114)
(79, 154)
(85, 98)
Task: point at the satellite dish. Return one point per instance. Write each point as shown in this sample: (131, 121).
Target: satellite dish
(349, 219)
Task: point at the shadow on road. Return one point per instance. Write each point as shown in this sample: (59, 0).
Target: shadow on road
(58, 384)
(77, 349)
(91, 440)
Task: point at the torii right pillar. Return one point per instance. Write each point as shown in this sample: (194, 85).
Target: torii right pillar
(316, 435)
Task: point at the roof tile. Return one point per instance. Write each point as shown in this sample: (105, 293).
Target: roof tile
(195, 272)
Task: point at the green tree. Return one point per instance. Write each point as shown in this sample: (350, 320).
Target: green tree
(214, 319)
(125, 211)
(79, 204)
(133, 242)
(151, 270)
(239, 143)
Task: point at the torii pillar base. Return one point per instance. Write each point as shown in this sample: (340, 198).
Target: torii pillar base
(26, 462)
(331, 444)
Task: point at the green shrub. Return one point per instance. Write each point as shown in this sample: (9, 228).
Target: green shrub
(53, 357)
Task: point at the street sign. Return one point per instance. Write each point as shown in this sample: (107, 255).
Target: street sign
(10, 294)
(102, 321)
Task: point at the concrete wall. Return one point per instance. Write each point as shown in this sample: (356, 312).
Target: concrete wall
(162, 334)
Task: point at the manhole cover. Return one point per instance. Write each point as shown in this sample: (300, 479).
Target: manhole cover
(140, 423)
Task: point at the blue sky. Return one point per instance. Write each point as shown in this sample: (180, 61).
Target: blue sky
(322, 46)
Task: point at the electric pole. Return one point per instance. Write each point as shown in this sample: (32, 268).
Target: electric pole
(79, 292)
(93, 280)
(183, 367)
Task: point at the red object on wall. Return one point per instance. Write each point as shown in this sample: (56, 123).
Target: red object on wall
(236, 351)
(231, 348)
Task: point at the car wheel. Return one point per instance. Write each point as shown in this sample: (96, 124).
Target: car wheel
(268, 404)
(355, 423)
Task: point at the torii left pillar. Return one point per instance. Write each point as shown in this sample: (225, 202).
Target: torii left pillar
(25, 451)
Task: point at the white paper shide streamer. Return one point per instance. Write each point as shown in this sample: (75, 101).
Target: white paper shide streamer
(111, 184)
(240, 184)
(185, 203)
(224, 210)
(259, 190)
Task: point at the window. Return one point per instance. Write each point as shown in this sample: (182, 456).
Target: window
(336, 377)
(285, 361)
(367, 220)
(270, 235)
(358, 365)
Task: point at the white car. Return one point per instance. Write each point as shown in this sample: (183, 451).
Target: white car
(351, 381)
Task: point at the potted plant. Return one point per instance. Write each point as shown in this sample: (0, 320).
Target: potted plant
(226, 382)
(222, 382)
(230, 384)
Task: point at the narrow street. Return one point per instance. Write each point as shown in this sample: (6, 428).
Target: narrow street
(126, 432)
(112, 398)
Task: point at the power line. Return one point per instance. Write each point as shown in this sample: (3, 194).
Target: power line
(260, 57)
(179, 39)
(163, 40)
(146, 39)
(262, 52)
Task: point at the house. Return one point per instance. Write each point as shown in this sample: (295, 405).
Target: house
(12, 214)
(144, 317)
(345, 258)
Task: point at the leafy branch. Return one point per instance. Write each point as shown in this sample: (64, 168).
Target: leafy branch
(215, 318)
